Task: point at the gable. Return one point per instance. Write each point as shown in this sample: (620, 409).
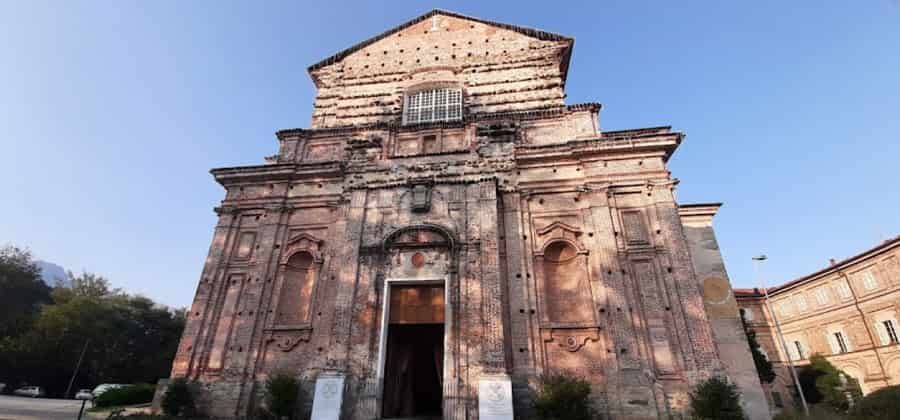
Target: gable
(427, 36)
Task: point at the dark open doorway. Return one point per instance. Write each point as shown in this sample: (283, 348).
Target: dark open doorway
(414, 361)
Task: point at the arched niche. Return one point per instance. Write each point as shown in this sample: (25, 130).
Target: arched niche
(298, 275)
(564, 282)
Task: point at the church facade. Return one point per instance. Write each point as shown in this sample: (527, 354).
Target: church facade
(449, 229)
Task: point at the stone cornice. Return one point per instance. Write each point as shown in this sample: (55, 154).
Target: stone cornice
(698, 215)
(529, 114)
(666, 143)
(275, 172)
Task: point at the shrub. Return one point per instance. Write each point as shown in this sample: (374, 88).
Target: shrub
(126, 395)
(822, 383)
(883, 404)
(816, 412)
(561, 397)
(716, 399)
(282, 393)
(178, 400)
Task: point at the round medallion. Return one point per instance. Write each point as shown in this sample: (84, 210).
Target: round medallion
(716, 291)
(418, 260)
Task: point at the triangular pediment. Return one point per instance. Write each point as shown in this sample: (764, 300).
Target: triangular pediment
(304, 238)
(561, 226)
(440, 21)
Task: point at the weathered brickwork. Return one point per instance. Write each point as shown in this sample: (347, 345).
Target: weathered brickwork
(560, 248)
(858, 298)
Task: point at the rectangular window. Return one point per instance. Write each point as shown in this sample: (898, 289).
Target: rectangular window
(869, 282)
(800, 353)
(843, 289)
(822, 296)
(891, 331)
(841, 342)
(784, 309)
(433, 105)
(800, 301)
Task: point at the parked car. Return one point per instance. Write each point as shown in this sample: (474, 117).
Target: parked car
(103, 388)
(30, 391)
(84, 394)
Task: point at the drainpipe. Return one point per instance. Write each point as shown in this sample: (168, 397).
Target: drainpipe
(865, 323)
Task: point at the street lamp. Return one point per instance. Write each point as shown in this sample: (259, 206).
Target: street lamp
(757, 261)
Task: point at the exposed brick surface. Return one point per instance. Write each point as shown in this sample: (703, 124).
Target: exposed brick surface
(560, 247)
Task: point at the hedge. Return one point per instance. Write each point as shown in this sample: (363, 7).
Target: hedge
(126, 395)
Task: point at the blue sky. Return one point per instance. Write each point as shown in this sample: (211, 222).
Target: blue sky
(112, 113)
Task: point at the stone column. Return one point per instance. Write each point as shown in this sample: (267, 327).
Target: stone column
(349, 234)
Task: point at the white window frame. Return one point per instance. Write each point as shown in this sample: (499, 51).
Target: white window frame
(869, 280)
(886, 327)
(748, 314)
(840, 342)
(822, 296)
(432, 105)
(796, 350)
(800, 302)
(784, 308)
(844, 290)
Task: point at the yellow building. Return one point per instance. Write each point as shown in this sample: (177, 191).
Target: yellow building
(846, 312)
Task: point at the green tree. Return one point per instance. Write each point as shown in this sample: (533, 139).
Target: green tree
(21, 291)
(127, 339)
(822, 383)
(716, 399)
(763, 365)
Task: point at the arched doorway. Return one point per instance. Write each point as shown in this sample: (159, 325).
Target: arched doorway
(415, 320)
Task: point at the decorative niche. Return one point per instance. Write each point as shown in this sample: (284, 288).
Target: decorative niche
(298, 278)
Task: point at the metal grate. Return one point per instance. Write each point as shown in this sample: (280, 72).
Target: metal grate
(433, 105)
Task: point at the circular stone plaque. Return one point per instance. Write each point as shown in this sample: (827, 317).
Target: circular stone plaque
(418, 260)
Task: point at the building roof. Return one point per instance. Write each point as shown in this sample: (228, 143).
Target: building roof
(836, 266)
(535, 33)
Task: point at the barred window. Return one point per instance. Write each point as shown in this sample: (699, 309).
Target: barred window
(433, 105)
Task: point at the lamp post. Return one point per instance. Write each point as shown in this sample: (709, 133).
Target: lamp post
(757, 261)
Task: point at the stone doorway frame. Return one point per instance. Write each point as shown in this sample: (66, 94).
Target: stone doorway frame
(385, 324)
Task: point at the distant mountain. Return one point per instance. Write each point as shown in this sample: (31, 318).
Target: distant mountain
(52, 273)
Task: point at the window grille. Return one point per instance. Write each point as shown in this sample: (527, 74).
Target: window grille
(433, 105)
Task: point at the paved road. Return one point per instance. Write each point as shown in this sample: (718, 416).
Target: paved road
(22, 408)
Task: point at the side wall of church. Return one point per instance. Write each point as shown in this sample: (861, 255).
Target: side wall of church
(722, 310)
